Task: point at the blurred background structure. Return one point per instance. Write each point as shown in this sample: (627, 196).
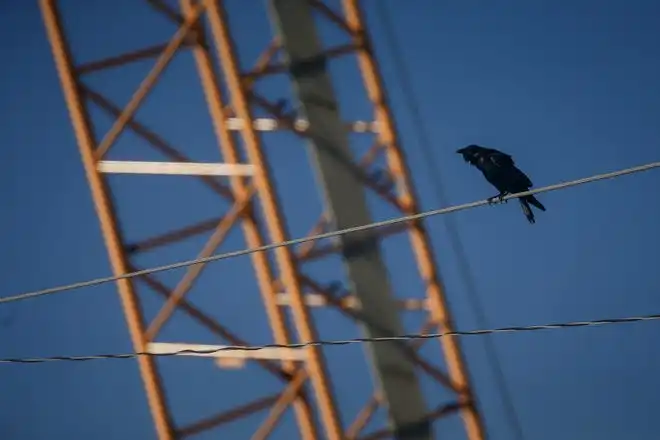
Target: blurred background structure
(207, 126)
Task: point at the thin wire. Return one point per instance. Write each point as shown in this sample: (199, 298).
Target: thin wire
(375, 225)
(556, 326)
(435, 176)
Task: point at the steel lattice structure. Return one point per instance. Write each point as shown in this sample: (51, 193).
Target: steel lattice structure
(243, 179)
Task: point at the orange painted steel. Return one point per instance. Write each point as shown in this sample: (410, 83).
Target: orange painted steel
(274, 219)
(253, 235)
(104, 210)
(318, 416)
(419, 238)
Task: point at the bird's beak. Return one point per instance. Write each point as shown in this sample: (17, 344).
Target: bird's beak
(462, 152)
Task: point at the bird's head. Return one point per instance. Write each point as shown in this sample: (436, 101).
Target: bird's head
(470, 153)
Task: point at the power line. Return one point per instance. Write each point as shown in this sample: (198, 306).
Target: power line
(375, 225)
(518, 329)
(456, 244)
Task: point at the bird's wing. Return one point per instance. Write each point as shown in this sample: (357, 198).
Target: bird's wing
(505, 162)
(516, 179)
(500, 159)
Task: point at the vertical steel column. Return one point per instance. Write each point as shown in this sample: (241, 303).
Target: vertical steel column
(342, 185)
(109, 228)
(253, 235)
(274, 219)
(420, 241)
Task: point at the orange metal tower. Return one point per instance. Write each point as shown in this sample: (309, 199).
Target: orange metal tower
(242, 177)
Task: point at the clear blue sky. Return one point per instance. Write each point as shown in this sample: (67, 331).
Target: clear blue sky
(569, 88)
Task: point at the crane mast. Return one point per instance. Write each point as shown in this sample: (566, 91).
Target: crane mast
(242, 178)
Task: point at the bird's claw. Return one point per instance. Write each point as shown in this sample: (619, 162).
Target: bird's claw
(497, 199)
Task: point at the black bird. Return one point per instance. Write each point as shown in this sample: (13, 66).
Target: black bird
(499, 169)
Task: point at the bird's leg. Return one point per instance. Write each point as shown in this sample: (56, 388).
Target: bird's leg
(498, 198)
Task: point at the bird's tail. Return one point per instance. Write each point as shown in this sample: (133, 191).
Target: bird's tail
(534, 201)
(524, 204)
(527, 210)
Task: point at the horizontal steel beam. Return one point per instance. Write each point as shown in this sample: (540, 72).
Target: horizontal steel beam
(222, 351)
(272, 124)
(175, 168)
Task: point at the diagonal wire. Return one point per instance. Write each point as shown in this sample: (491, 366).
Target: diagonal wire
(375, 225)
(435, 175)
(528, 328)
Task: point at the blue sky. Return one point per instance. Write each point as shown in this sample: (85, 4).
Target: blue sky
(568, 88)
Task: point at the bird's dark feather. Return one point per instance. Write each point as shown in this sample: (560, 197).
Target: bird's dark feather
(500, 170)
